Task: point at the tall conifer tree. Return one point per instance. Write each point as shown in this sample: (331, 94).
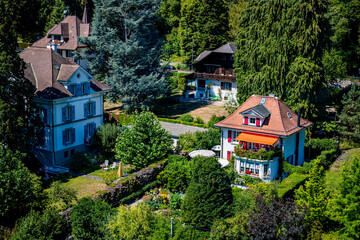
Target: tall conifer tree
(279, 50)
(124, 49)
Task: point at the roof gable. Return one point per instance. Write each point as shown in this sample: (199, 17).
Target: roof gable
(259, 110)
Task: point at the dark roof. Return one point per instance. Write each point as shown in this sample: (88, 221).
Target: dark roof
(99, 86)
(203, 55)
(260, 109)
(227, 48)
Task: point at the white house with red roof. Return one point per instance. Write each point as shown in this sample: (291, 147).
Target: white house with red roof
(256, 129)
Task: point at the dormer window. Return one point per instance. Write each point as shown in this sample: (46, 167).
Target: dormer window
(289, 115)
(252, 121)
(263, 100)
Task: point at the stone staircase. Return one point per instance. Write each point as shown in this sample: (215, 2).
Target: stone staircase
(52, 169)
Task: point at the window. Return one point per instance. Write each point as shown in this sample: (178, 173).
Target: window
(235, 134)
(289, 115)
(72, 152)
(66, 154)
(263, 100)
(225, 86)
(68, 113)
(72, 88)
(265, 169)
(68, 136)
(89, 109)
(83, 88)
(43, 115)
(289, 159)
(201, 83)
(252, 121)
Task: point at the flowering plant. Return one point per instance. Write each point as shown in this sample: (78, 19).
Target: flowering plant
(247, 171)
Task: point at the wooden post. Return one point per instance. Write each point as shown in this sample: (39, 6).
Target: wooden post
(120, 170)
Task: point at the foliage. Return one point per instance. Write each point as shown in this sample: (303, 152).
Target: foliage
(279, 219)
(130, 184)
(175, 80)
(267, 190)
(347, 206)
(199, 140)
(231, 105)
(287, 186)
(350, 114)
(88, 218)
(109, 176)
(61, 196)
(327, 157)
(318, 145)
(125, 119)
(104, 139)
(124, 50)
(20, 189)
(189, 232)
(144, 143)
(203, 26)
(55, 14)
(288, 62)
(139, 193)
(199, 120)
(209, 183)
(186, 118)
(334, 67)
(131, 223)
(214, 119)
(81, 160)
(43, 226)
(261, 154)
(304, 169)
(176, 175)
(157, 198)
(175, 201)
(182, 122)
(235, 11)
(314, 196)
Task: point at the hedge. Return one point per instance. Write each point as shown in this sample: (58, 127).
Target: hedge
(318, 145)
(139, 193)
(287, 187)
(130, 184)
(182, 122)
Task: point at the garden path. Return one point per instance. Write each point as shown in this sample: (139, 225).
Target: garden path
(84, 175)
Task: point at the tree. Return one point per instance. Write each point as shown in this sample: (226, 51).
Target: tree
(55, 15)
(20, 190)
(203, 26)
(279, 50)
(277, 219)
(235, 9)
(314, 196)
(61, 196)
(124, 50)
(105, 138)
(350, 114)
(88, 218)
(37, 225)
(144, 143)
(347, 205)
(199, 140)
(208, 196)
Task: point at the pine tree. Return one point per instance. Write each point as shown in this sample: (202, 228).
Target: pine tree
(279, 50)
(350, 114)
(56, 14)
(124, 50)
(208, 196)
(203, 26)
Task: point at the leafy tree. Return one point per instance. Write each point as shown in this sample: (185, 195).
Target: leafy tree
(279, 50)
(208, 196)
(144, 143)
(176, 175)
(55, 15)
(334, 66)
(88, 218)
(314, 195)
(124, 50)
(203, 25)
(347, 206)
(215, 119)
(131, 223)
(186, 118)
(20, 190)
(61, 196)
(235, 8)
(199, 140)
(170, 14)
(277, 219)
(105, 138)
(350, 114)
(37, 225)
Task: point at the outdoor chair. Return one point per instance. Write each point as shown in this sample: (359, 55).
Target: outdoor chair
(113, 165)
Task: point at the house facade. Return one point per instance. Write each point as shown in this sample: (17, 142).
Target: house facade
(70, 102)
(63, 37)
(257, 130)
(214, 76)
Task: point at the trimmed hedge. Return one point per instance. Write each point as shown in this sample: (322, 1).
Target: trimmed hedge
(287, 187)
(130, 184)
(182, 122)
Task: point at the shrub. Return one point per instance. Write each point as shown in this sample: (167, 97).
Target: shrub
(186, 118)
(318, 145)
(209, 183)
(176, 175)
(199, 140)
(88, 219)
(182, 122)
(61, 196)
(199, 120)
(261, 154)
(214, 119)
(104, 139)
(290, 169)
(80, 161)
(37, 225)
(287, 187)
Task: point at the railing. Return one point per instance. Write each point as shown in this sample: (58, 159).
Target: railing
(215, 77)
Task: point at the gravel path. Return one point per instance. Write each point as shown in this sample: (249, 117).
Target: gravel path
(84, 175)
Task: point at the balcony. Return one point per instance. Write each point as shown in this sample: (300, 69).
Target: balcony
(212, 76)
(201, 89)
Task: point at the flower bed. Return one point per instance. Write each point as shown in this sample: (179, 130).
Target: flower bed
(262, 154)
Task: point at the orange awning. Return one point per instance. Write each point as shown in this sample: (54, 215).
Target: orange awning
(255, 138)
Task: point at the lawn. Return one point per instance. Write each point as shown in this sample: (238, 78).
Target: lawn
(85, 186)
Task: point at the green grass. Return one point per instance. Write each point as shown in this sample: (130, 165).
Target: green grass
(85, 186)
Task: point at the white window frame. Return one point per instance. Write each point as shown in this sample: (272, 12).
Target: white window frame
(234, 134)
(250, 123)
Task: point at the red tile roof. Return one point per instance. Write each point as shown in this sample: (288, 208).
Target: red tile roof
(278, 123)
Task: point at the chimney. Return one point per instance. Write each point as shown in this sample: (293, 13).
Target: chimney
(272, 95)
(299, 115)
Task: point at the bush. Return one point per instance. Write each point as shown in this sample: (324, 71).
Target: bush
(318, 145)
(199, 140)
(36, 225)
(327, 157)
(214, 119)
(287, 187)
(186, 118)
(176, 175)
(88, 219)
(304, 169)
(104, 139)
(199, 120)
(182, 122)
(80, 161)
(61, 196)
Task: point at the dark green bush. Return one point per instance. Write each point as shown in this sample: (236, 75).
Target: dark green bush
(88, 218)
(176, 175)
(80, 161)
(104, 139)
(199, 120)
(182, 122)
(199, 140)
(318, 145)
(287, 187)
(327, 157)
(214, 119)
(186, 118)
(290, 169)
(139, 193)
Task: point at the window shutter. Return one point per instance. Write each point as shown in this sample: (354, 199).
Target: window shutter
(88, 88)
(72, 112)
(222, 85)
(72, 135)
(64, 137)
(85, 109)
(42, 137)
(228, 156)
(246, 120)
(258, 122)
(86, 131)
(229, 136)
(45, 119)
(93, 110)
(93, 129)
(78, 89)
(63, 114)
(230, 86)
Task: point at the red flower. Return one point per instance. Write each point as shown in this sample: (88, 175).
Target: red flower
(247, 172)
